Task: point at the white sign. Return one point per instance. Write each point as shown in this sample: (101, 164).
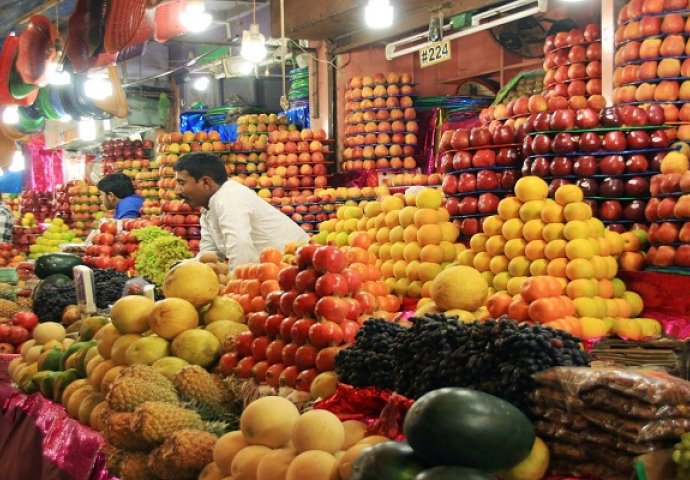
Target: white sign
(434, 53)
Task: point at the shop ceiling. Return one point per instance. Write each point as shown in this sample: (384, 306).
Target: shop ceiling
(342, 21)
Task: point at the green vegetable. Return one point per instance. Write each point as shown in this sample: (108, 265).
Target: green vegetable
(389, 461)
(456, 426)
(52, 263)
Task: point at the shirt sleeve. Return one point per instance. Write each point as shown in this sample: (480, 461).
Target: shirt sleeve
(236, 226)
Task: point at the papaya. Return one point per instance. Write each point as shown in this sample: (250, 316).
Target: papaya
(62, 380)
(72, 349)
(90, 326)
(50, 360)
(45, 387)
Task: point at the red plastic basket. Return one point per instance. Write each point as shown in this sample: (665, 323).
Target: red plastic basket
(167, 20)
(76, 46)
(36, 49)
(144, 32)
(7, 58)
(124, 20)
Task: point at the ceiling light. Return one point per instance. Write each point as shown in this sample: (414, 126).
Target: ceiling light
(378, 14)
(201, 83)
(10, 115)
(87, 129)
(55, 75)
(253, 44)
(66, 118)
(246, 68)
(17, 164)
(194, 17)
(98, 88)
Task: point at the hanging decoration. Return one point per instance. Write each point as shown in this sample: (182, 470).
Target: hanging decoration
(43, 166)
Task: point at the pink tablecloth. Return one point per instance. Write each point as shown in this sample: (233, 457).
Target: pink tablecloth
(70, 448)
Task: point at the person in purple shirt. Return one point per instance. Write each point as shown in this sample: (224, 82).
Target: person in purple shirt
(117, 192)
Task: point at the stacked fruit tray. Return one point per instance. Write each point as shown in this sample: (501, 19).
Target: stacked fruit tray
(40, 204)
(381, 131)
(126, 156)
(480, 169)
(401, 181)
(253, 128)
(652, 58)
(573, 63)
(669, 212)
(183, 221)
(80, 206)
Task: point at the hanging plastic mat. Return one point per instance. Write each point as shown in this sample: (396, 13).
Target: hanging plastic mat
(76, 46)
(30, 120)
(7, 57)
(69, 104)
(116, 104)
(45, 105)
(18, 88)
(123, 24)
(97, 13)
(144, 32)
(166, 20)
(55, 101)
(36, 49)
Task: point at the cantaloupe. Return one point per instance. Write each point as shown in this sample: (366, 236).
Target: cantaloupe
(119, 350)
(313, 465)
(97, 417)
(97, 374)
(109, 378)
(274, 465)
(87, 406)
(226, 448)
(373, 440)
(246, 462)
(211, 472)
(269, 421)
(76, 399)
(345, 462)
(71, 388)
(318, 430)
(354, 432)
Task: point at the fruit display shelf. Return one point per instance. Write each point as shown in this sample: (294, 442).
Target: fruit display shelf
(126, 156)
(573, 63)
(40, 204)
(182, 220)
(651, 59)
(253, 129)
(480, 167)
(381, 121)
(80, 206)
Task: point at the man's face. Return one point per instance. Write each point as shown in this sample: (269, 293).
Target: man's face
(196, 192)
(109, 200)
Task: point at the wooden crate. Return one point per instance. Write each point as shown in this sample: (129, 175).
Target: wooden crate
(669, 355)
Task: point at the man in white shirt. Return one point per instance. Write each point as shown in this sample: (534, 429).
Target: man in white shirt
(236, 223)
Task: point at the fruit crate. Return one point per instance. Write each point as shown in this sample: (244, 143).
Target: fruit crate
(670, 355)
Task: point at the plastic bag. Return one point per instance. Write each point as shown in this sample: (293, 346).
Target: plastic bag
(603, 399)
(550, 397)
(638, 430)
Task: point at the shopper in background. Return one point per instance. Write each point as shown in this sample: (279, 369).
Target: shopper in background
(117, 192)
(235, 222)
(6, 223)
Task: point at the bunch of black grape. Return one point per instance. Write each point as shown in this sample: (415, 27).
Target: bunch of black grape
(496, 356)
(370, 361)
(109, 285)
(50, 300)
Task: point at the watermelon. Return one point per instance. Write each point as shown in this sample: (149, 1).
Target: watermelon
(453, 473)
(388, 460)
(457, 426)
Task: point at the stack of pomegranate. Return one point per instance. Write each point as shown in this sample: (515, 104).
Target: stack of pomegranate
(480, 167)
(38, 203)
(610, 156)
(669, 212)
(126, 156)
(25, 232)
(381, 130)
(110, 249)
(573, 63)
(182, 220)
(651, 58)
(311, 310)
(84, 204)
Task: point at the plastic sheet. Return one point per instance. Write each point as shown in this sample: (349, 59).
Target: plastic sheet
(384, 411)
(196, 122)
(300, 116)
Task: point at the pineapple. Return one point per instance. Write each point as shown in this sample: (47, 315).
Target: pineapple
(207, 392)
(113, 459)
(183, 455)
(120, 432)
(156, 421)
(148, 373)
(24, 303)
(127, 393)
(7, 292)
(8, 308)
(135, 467)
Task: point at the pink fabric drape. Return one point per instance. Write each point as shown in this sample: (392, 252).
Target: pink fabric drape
(44, 167)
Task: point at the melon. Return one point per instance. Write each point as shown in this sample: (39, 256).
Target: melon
(192, 281)
(459, 287)
(226, 448)
(97, 374)
(172, 316)
(169, 366)
(120, 347)
(318, 430)
(90, 354)
(211, 472)
(146, 350)
(105, 338)
(224, 328)
(130, 314)
(75, 400)
(109, 378)
(323, 385)
(354, 432)
(45, 332)
(350, 455)
(97, 418)
(269, 421)
(197, 347)
(246, 462)
(87, 406)
(314, 465)
(224, 308)
(274, 465)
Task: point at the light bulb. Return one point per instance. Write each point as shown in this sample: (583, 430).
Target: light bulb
(246, 68)
(98, 88)
(378, 14)
(194, 17)
(17, 164)
(10, 115)
(201, 83)
(66, 118)
(55, 75)
(253, 44)
(87, 129)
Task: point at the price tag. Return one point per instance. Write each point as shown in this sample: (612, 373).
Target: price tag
(434, 53)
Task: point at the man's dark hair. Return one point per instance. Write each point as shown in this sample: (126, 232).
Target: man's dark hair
(201, 164)
(118, 184)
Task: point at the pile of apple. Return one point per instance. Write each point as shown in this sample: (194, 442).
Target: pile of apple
(610, 156)
(126, 156)
(651, 57)
(84, 204)
(16, 331)
(310, 310)
(404, 180)
(57, 233)
(185, 142)
(111, 249)
(25, 232)
(669, 212)
(481, 166)
(532, 236)
(254, 128)
(38, 203)
(13, 201)
(10, 255)
(573, 63)
(307, 210)
(180, 219)
(382, 126)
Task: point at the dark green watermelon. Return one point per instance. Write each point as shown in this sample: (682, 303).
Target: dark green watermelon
(389, 461)
(51, 263)
(457, 426)
(58, 279)
(453, 473)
